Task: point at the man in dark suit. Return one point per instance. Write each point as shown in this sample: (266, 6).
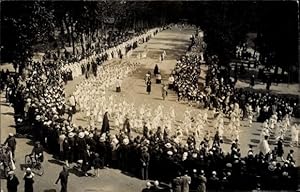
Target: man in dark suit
(12, 182)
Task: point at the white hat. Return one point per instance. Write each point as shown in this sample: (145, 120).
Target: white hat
(156, 183)
(11, 134)
(125, 141)
(185, 154)
(214, 173)
(28, 169)
(11, 172)
(71, 134)
(81, 135)
(194, 155)
(115, 141)
(168, 145)
(170, 153)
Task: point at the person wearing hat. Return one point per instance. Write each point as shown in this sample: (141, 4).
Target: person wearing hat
(213, 181)
(11, 142)
(171, 81)
(177, 183)
(124, 155)
(144, 159)
(12, 182)
(63, 178)
(194, 180)
(186, 181)
(148, 86)
(164, 91)
(66, 151)
(148, 187)
(81, 145)
(28, 178)
(61, 138)
(105, 123)
(37, 152)
(202, 182)
(71, 142)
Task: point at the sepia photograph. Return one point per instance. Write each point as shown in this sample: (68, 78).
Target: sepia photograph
(149, 96)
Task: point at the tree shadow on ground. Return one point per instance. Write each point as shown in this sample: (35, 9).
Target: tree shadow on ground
(55, 161)
(129, 174)
(31, 143)
(23, 166)
(50, 190)
(8, 113)
(254, 140)
(76, 172)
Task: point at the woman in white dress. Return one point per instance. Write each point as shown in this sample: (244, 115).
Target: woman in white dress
(264, 146)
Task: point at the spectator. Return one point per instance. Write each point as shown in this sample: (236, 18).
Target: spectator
(63, 178)
(12, 182)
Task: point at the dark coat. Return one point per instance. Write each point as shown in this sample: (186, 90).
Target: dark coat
(105, 124)
(12, 184)
(28, 187)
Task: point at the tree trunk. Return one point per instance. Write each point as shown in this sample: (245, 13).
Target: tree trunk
(62, 31)
(69, 32)
(73, 39)
(82, 40)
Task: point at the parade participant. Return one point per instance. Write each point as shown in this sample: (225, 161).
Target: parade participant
(280, 150)
(28, 178)
(164, 91)
(148, 89)
(12, 182)
(72, 101)
(148, 76)
(11, 143)
(264, 146)
(171, 82)
(156, 70)
(118, 85)
(290, 156)
(252, 81)
(158, 78)
(63, 178)
(105, 123)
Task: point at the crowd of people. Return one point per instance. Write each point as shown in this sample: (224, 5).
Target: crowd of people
(122, 48)
(144, 141)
